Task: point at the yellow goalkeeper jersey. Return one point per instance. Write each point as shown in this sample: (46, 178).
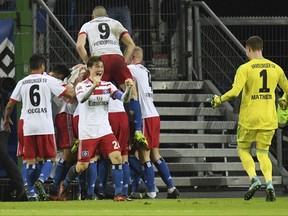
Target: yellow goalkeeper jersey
(258, 79)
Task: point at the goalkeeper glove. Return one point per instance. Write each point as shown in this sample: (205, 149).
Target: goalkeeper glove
(139, 139)
(215, 101)
(283, 103)
(74, 148)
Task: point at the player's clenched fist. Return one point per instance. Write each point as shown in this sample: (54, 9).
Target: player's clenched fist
(129, 82)
(283, 103)
(215, 101)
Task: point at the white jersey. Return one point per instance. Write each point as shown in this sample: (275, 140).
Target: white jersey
(115, 106)
(93, 113)
(35, 91)
(142, 77)
(103, 35)
(60, 105)
(76, 111)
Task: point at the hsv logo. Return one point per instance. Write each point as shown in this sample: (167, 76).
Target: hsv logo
(105, 91)
(85, 153)
(79, 87)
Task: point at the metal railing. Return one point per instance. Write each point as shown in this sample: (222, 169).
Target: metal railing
(218, 53)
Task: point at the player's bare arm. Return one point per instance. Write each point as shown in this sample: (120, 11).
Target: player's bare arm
(129, 83)
(70, 94)
(80, 46)
(128, 42)
(7, 120)
(96, 82)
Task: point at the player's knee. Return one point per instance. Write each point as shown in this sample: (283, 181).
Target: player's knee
(244, 145)
(80, 167)
(115, 157)
(262, 147)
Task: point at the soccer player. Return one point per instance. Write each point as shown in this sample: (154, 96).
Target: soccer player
(95, 132)
(119, 122)
(120, 125)
(151, 129)
(7, 163)
(104, 35)
(63, 112)
(35, 92)
(257, 79)
(79, 74)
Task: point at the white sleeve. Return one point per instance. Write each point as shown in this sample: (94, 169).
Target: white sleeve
(57, 89)
(16, 94)
(83, 29)
(80, 91)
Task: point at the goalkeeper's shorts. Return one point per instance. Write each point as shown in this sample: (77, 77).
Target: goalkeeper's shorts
(245, 135)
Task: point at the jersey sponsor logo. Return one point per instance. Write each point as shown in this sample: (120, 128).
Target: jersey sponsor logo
(98, 103)
(79, 88)
(37, 110)
(261, 97)
(85, 153)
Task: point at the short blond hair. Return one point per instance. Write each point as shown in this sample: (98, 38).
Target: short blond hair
(138, 52)
(99, 11)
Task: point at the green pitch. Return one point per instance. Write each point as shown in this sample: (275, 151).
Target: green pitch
(191, 207)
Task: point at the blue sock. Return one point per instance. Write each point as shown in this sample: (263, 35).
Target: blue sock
(135, 180)
(135, 164)
(149, 176)
(82, 179)
(23, 172)
(60, 173)
(30, 177)
(91, 177)
(38, 168)
(103, 167)
(164, 172)
(117, 174)
(134, 106)
(126, 178)
(71, 175)
(46, 170)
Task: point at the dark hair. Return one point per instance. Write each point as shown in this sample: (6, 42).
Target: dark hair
(61, 69)
(36, 60)
(255, 43)
(7, 85)
(92, 60)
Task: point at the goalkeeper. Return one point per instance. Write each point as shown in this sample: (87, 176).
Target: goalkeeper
(257, 79)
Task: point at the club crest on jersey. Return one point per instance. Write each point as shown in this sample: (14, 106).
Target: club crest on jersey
(105, 91)
(85, 153)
